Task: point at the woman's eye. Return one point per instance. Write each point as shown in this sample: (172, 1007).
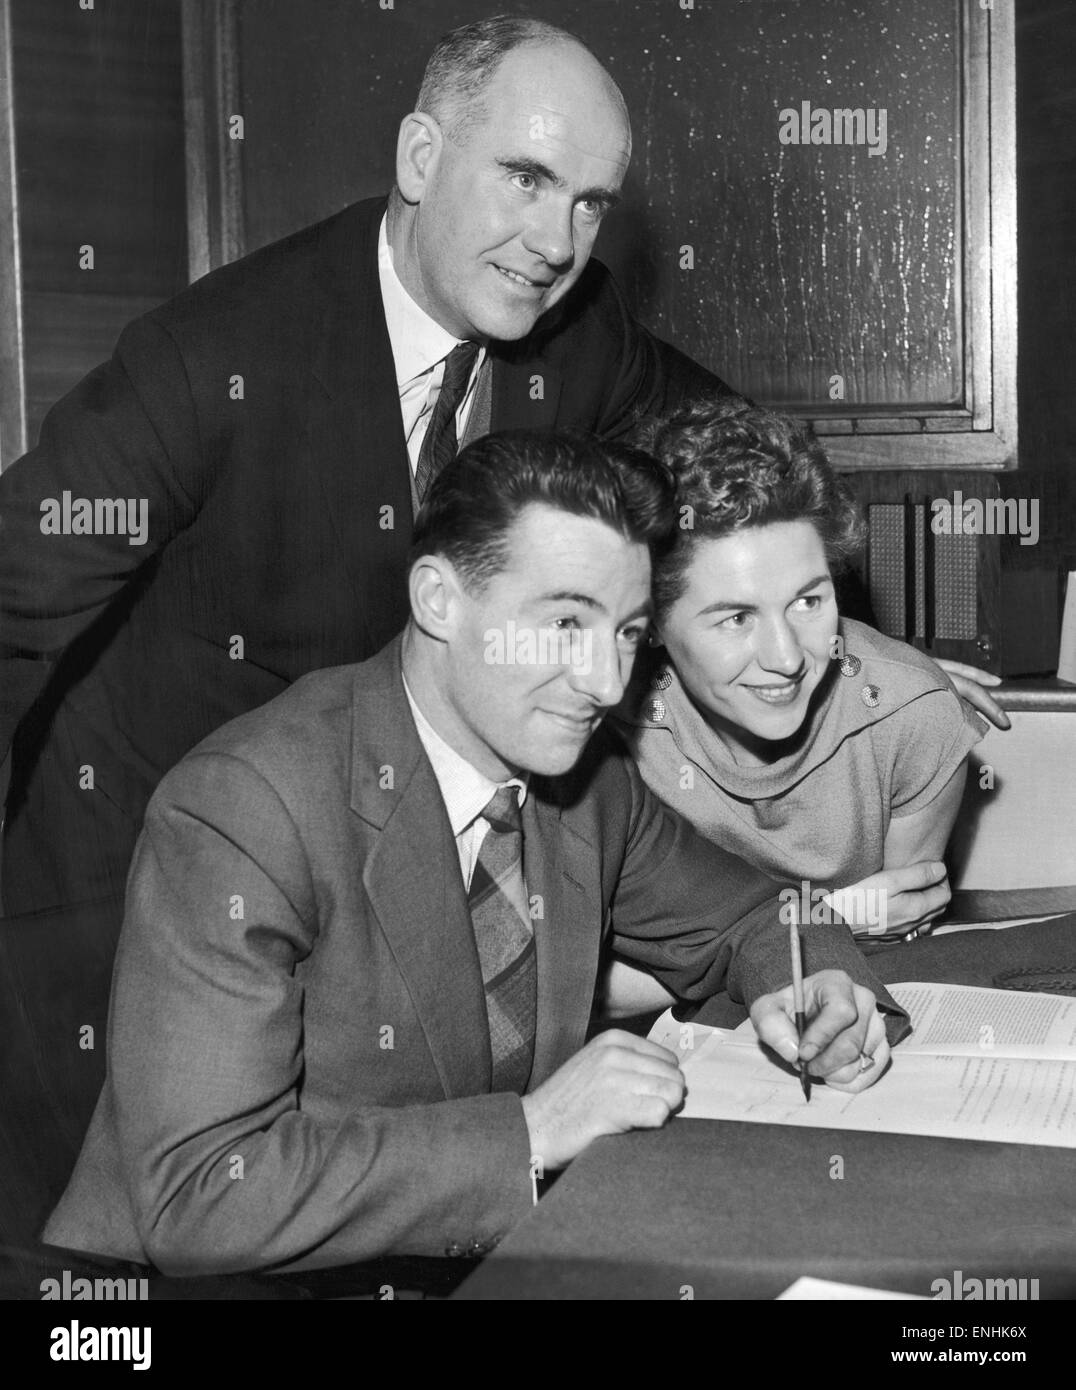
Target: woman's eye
(565, 624)
(736, 621)
(809, 602)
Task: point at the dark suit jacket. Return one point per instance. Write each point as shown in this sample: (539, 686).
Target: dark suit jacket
(299, 1062)
(281, 519)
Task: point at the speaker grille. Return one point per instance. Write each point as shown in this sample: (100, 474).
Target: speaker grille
(898, 539)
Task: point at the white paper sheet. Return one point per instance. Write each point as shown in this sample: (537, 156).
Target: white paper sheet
(984, 1064)
(808, 1288)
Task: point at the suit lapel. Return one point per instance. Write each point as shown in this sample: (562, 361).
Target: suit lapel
(354, 441)
(563, 881)
(481, 407)
(414, 885)
(413, 881)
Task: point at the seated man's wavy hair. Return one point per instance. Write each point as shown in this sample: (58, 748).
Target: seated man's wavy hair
(474, 501)
(738, 466)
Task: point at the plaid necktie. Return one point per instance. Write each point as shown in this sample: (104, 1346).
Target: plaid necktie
(505, 940)
(439, 445)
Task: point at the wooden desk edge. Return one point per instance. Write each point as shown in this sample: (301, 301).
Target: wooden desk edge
(1049, 696)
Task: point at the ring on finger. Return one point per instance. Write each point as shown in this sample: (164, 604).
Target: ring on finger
(865, 1062)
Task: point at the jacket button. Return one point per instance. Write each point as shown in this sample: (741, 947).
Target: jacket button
(454, 1250)
(870, 694)
(662, 680)
(655, 710)
(476, 1247)
(851, 666)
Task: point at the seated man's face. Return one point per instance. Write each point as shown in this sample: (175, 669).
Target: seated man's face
(536, 658)
(507, 219)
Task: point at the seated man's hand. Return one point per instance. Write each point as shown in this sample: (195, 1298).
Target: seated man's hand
(971, 685)
(616, 1083)
(844, 1043)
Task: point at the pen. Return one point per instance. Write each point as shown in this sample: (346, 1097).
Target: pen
(797, 996)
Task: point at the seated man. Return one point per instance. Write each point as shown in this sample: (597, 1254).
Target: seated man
(364, 922)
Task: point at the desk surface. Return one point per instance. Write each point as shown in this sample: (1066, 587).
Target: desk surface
(741, 1210)
(1048, 694)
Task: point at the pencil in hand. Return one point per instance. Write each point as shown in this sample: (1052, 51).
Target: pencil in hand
(797, 997)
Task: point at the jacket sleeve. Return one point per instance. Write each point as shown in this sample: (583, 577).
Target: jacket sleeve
(701, 919)
(127, 431)
(224, 1167)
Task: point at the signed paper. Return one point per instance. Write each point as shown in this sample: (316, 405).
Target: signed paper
(981, 1064)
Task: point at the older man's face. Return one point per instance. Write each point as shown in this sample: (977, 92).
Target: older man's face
(507, 219)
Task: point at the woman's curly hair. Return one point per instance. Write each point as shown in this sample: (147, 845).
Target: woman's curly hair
(738, 466)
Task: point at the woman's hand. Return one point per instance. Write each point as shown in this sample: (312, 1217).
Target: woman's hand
(971, 685)
(894, 899)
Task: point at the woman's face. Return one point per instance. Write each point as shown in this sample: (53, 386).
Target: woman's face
(751, 634)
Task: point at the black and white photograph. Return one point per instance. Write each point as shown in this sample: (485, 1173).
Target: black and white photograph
(537, 669)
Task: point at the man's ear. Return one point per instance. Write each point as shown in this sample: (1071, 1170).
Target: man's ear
(436, 594)
(418, 147)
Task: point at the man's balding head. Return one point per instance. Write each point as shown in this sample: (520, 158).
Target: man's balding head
(518, 148)
(454, 85)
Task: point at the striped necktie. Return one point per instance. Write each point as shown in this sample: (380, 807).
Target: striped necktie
(439, 445)
(505, 940)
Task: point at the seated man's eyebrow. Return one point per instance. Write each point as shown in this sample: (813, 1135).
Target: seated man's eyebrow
(721, 605)
(567, 596)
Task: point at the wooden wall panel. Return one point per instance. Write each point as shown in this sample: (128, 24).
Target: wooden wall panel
(98, 130)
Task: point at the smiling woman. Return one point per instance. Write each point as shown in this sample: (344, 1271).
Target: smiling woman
(812, 745)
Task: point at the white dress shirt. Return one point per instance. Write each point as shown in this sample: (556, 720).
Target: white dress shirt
(419, 348)
(466, 791)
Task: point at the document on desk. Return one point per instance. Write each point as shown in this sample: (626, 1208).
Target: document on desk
(981, 1064)
(951, 928)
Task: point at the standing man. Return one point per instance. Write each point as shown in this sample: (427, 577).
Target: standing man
(276, 426)
(365, 921)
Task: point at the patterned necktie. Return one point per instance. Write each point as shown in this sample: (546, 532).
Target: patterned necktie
(439, 445)
(505, 941)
